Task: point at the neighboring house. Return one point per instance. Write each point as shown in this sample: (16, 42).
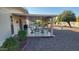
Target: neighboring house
(10, 23)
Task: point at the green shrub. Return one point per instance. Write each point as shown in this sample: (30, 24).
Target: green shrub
(22, 35)
(11, 44)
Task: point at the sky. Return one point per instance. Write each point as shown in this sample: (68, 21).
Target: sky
(52, 10)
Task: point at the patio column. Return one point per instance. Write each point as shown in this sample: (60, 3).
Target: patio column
(51, 21)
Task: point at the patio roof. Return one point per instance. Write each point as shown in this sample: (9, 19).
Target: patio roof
(43, 15)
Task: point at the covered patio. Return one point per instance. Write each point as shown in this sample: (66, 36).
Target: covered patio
(38, 25)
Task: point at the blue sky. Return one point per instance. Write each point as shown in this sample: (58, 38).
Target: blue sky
(52, 10)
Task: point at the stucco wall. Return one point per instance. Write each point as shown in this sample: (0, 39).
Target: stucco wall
(73, 24)
(5, 30)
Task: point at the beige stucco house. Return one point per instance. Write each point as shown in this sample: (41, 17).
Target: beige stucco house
(10, 24)
(12, 19)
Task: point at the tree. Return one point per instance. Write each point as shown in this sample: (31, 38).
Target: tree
(77, 19)
(59, 19)
(45, 21)
(68, 16)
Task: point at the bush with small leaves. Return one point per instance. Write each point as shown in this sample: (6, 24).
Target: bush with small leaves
(11, 44)
(22, 35)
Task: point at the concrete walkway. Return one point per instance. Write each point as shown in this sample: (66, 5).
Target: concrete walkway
(64, 40)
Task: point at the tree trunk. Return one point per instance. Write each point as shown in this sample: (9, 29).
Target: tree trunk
(69, 24)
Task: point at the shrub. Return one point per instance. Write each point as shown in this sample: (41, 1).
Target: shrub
(22, 35)
(11, 44)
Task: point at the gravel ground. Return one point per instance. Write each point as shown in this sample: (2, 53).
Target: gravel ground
(64, 40)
